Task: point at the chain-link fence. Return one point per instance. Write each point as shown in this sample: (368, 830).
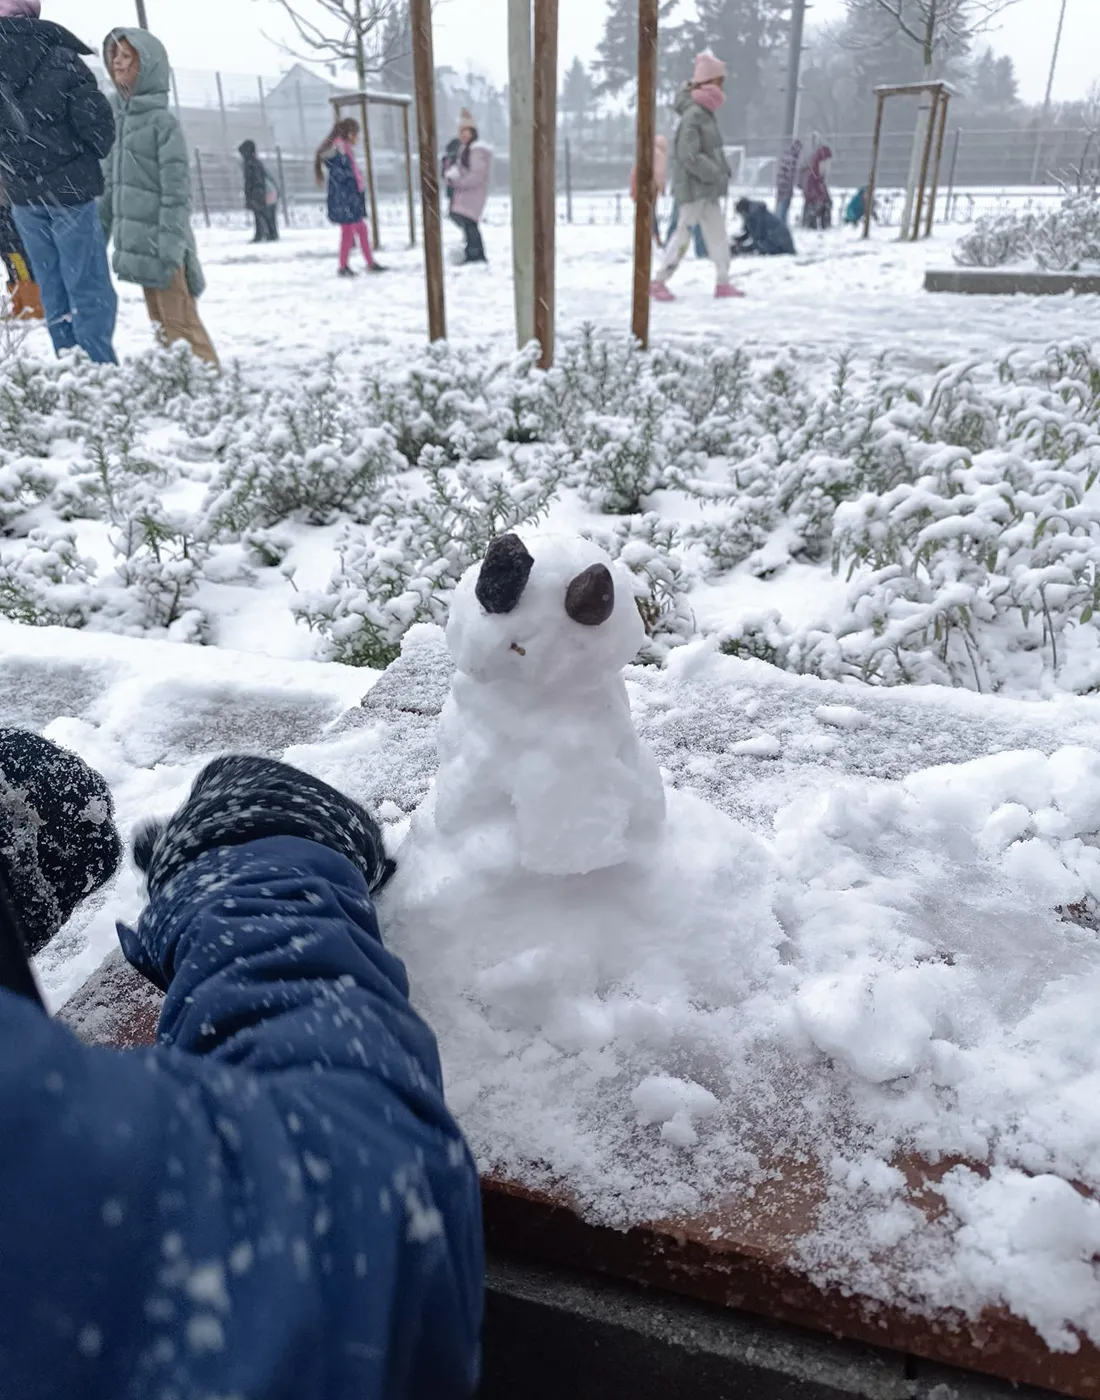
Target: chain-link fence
(288, 118)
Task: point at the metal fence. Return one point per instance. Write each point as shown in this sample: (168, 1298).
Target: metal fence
(289, 116)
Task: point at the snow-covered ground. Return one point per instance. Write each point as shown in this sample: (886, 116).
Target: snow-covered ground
(277, 305)
(897, 948)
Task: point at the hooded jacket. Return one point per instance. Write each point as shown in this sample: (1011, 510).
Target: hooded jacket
(257, 182)
(699, 167)
(55, 124)
(147, 204)
(814, 187)
(470, 181)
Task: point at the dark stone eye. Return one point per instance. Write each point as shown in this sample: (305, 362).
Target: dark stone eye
(504, 573)
(590, 598)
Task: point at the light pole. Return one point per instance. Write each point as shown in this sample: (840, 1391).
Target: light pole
(142, 19)
(794, 69)
(1050, 88)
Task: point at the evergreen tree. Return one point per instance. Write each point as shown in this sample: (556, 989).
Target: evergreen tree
(578, 95)
(993, 81)
(746, 34)
(616, 66)
(396, 42)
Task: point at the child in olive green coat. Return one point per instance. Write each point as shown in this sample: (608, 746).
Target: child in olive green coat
(147, 204)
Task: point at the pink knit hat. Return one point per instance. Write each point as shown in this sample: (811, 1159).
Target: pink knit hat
(708, 69)
(20, 9)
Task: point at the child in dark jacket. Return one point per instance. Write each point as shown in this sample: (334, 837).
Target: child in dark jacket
(55, 129)
(274, 1201)
(764, 233)
(261, 194)
(347, 205)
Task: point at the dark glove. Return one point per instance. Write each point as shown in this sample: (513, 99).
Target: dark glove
(58, 841)
(239, 798)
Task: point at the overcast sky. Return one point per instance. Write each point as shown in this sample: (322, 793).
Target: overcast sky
(229, 34)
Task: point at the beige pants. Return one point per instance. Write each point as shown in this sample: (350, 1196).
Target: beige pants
(176, 317)
(707, 213)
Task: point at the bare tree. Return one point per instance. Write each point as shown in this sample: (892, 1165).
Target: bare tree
(937, 27)
(359, 34)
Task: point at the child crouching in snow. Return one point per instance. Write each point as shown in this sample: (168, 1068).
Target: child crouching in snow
(146, 206)
(346, 203)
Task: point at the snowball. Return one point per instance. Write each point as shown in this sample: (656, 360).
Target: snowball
(760, 746)
(661, 1097)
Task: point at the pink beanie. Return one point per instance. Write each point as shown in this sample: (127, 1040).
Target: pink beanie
(708, 69)
(20, 9)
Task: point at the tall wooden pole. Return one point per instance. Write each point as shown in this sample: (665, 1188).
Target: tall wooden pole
(364, 118)
(521, 146)
(874, 166)
(408, 174)
(944, 99)
(368, 161)
(543, 164)
(643, 159)
(925, 162)
(794, 69)
(420, 16)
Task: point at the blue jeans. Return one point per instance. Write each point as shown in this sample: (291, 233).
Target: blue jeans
(783, 212)
(68, 258)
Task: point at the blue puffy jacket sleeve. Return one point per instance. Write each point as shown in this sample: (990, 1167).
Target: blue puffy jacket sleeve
(274, 1201)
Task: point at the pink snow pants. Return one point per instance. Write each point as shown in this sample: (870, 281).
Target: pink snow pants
(348, 234)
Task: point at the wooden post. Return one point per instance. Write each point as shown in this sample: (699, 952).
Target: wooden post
(643, 159)
(948, 212)
(874, 166)
(521, 145)
(543, 166)
(944, 99)
(926, 160)
(409, 174)
(368, 160)
(420, 17)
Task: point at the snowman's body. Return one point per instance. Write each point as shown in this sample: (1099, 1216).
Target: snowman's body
(536, 741)
(543, 895)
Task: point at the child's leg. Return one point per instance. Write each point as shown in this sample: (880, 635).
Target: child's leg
(347, 242)
(678, 241)
(716, 238)
(364, 241)
(176, 317)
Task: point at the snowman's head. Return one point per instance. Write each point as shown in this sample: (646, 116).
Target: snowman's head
(546, 611)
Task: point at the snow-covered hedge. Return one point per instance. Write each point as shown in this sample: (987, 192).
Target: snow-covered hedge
(1059, 240)
(961, 506)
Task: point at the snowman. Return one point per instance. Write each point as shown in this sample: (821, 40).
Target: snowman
(536, 742)
(548, 879)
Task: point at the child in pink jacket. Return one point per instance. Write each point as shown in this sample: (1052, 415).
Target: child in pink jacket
(468, 176)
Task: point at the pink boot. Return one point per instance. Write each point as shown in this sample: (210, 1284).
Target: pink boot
(659, 292)
(727, 289)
